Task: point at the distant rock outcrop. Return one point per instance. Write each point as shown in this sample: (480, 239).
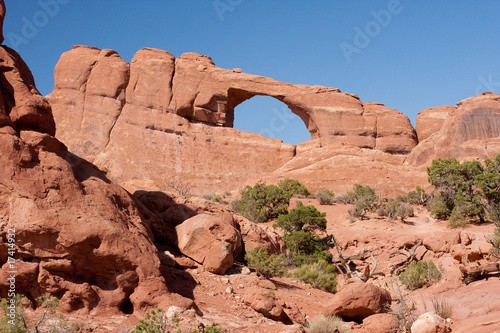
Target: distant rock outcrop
(471, 131)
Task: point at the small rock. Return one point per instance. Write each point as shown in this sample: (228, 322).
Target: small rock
(224, 280)
(174, 311)
(229, 290)
(245, 270)
(237, 70)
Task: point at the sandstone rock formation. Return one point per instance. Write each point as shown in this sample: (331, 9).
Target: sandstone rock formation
(471, 131)
(430, 322)
(77, 235)
(167, 119)
(209, 241)
(359, 300)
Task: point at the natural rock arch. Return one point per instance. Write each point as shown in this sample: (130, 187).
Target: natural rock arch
(236, 111)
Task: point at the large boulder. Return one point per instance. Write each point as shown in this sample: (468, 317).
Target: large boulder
(358, 301)
(209, 241)
(380, 323)
(263, 301)
(430, 322)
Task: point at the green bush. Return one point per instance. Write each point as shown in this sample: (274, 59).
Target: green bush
(467, 190)
(293, 187)
(325, 197)
(262, 203)
(419, 274)
(154, 321)
(47, 320)
(265, 264)
(300, 217)
(416, 197)
(303, 242)
(320, 274)
(330, 324)
(213, 329)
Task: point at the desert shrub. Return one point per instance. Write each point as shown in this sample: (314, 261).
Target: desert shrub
(265, 264)
(403, 308)
(293, 187)
(365, 194)
(300, 217)
(343, 199)
(15, 323)
(416, 197)
(419, 274)
(358, 211)
(215, 198)
(213, 329)
(303, 241)
(389, 208)
(442, 307)
(326, 197)
(235, 205)
(320, 274)
(405, 210)
(154, 321)
(330, 324)
(46, 321)
(466, 191)
(262, 203)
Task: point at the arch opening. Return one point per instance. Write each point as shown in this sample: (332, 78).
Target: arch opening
(272, 118)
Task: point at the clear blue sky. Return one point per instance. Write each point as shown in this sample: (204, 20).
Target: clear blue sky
(426, 53)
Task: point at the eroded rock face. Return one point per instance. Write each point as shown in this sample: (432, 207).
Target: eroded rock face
(472, 131)
(359, 300)
(166, 119)
(77, 235)
(209, 241)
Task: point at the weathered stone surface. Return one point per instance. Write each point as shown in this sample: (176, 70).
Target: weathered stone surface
(472, 131)
(380, 323)
(359, 300)
(263, 301)
(77, 235)
(171, 106)
(209, 241)
(91, 105)
(430, 121)
(21, 105)
(430, 323)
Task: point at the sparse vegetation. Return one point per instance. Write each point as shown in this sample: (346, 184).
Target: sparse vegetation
(363, 198)
(181, 188)
(320, 274)
(403, 308)
(416, 197)
(46, 321)
(265, 264)
(442, 307)
(325, 197)
(154, 321)
(215, 198)
(394, 208)
(327, 324)
(419, 274)
(293, 188)
(262, 203)
(466, 191)
(300, 217)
